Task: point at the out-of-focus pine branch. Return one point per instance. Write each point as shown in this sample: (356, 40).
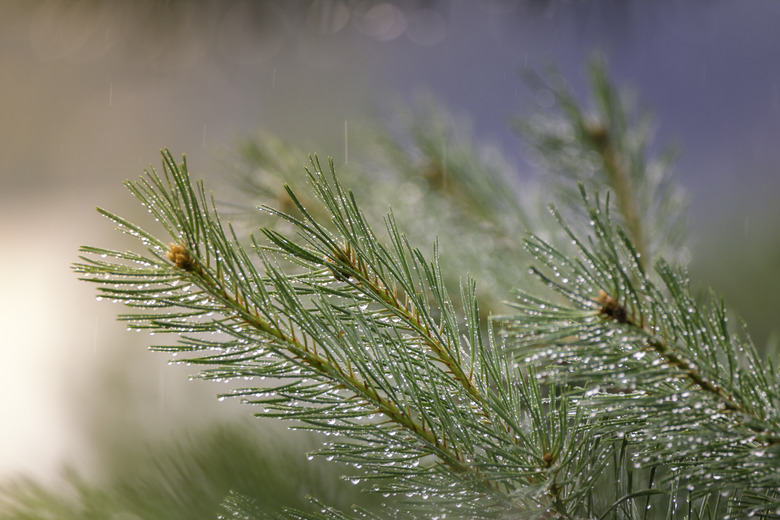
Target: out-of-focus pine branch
(609, 145)
(430, 171)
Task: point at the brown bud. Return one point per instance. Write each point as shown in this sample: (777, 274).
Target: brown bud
(599, 135)
(180, 257)
(548, 458)
(612, 308)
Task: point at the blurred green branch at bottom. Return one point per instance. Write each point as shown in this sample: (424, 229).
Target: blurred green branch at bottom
(186, 477)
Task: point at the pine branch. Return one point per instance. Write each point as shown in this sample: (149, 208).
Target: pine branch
(655, 366)
(614, 395)
(431, 172)
(607, 146)
(365, 342)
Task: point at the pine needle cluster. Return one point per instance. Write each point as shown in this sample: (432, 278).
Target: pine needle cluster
(605, 391)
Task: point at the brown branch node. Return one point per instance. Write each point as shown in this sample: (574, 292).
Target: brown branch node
(180, 257)
(612, 308)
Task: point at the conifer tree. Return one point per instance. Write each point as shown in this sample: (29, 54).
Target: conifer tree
(604, 389)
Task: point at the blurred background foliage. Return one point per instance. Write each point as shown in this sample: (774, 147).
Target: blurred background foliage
(188, 476)
(93, 89)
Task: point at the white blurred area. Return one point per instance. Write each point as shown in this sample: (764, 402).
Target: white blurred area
(91, 90)
(43, 315)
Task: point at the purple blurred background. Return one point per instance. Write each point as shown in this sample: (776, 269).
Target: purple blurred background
(92, 90)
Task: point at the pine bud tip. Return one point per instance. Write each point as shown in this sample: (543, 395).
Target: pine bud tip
(180, 257)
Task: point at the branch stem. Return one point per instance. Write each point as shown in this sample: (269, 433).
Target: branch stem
(617, 312)
(327, 368)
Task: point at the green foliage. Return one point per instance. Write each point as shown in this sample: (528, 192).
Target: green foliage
(431, 173)
(650, 365)
(185, 477)
(615, 394)
(609, 145)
